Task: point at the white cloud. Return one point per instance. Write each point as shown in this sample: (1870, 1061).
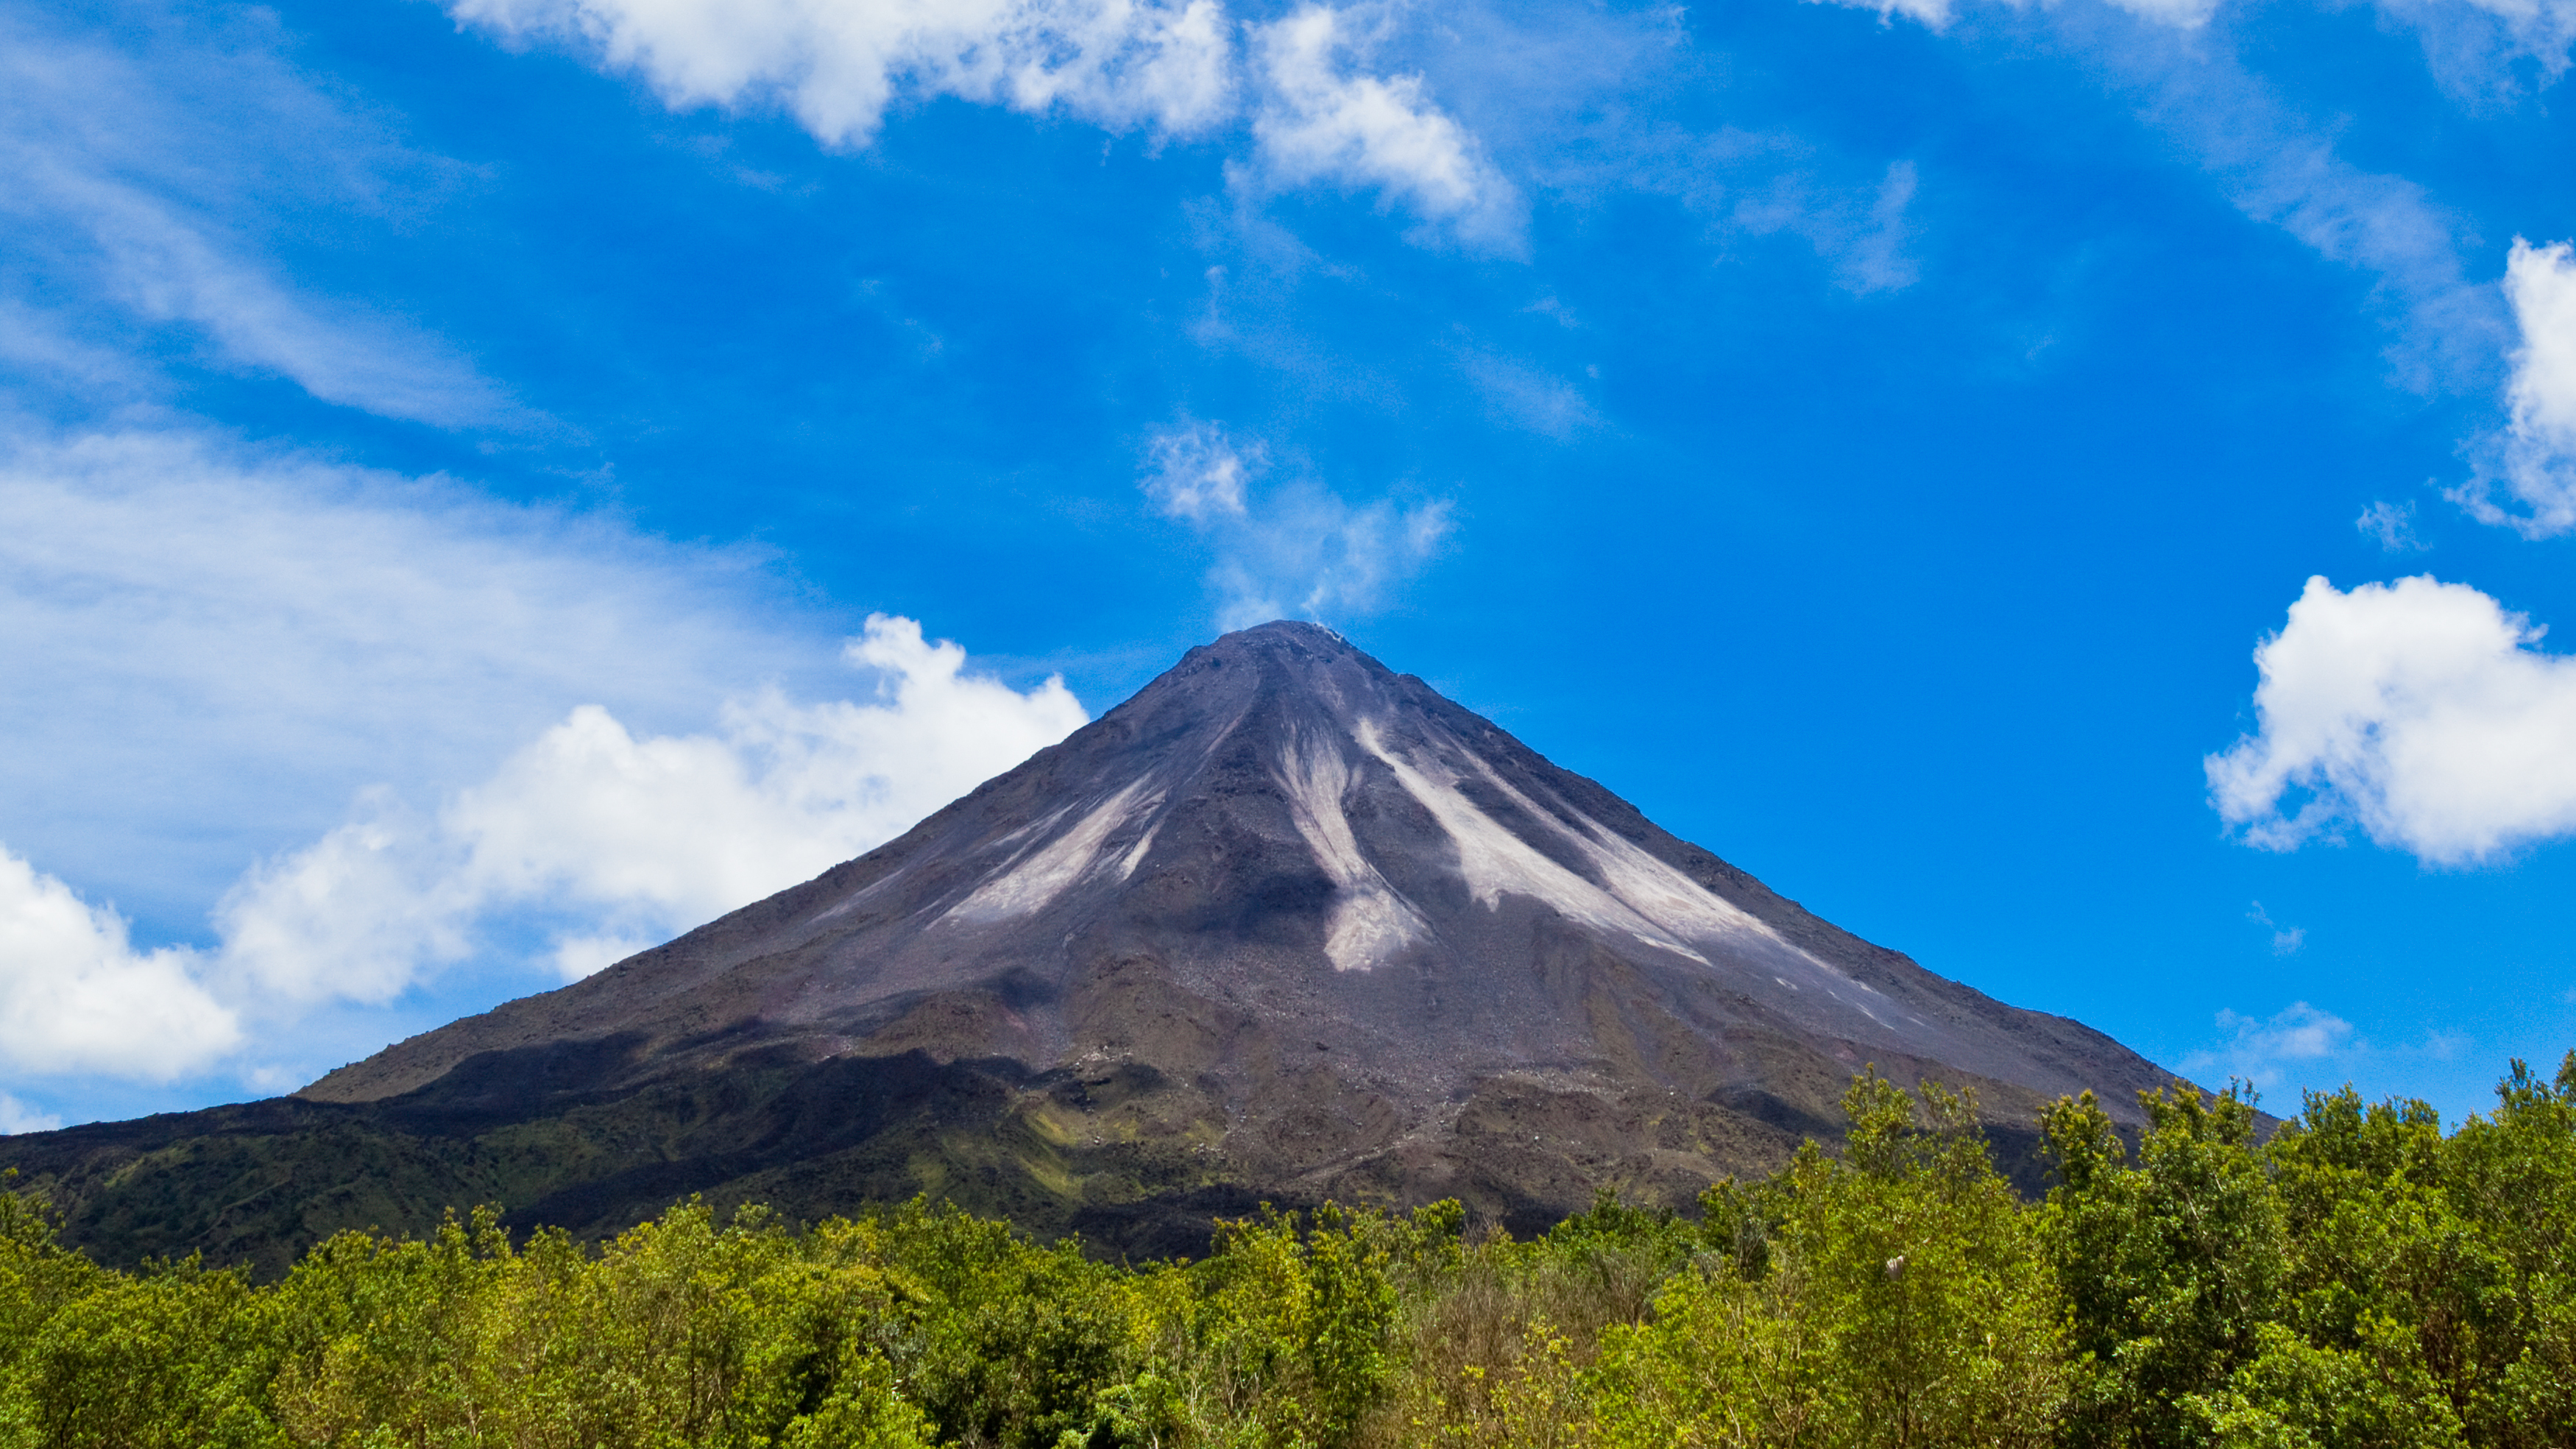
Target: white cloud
(2422, 711)
(596, 840)
(1300, 550)
(1937, 14)
(619, 842)
(837, 67)
(142, 178)
(1861, 231)
(2472, 45)
(2538, 450)
(1322, 119)
(2393, 525)
(2286, 940)
(212, 648)
(75, 996)
(2266, 1052)
(1196, 472)
(17, 1116)
(2281, 169)
(1308, 553)
(1529, 398)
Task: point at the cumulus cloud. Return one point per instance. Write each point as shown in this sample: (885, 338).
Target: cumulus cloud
(1323, 117)
(619, 842)
(2536, 456)
(2266, 1051)
(2421, 711)
(213, 650)
(143, 180)
(17, 1116)
(1300, 550)
(76, 996)
(838, 67)
(586, 845)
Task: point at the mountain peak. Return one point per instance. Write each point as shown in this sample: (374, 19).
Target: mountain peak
(1290, 924)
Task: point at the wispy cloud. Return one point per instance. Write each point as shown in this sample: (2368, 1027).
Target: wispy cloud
(1528, 397)
(2419, 710)
(1195, 471)
(2476, 48)
(1297, 549)
(2286, 940)
(143, 183)
(2267, 1051)
(2282, 169)
(2392, 526)
(319, 628)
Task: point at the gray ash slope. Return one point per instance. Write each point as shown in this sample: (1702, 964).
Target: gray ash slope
(1284, 925)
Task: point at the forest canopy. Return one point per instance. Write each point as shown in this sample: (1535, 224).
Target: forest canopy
(2359, 1278)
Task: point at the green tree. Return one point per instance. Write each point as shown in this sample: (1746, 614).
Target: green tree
(2168, 1266)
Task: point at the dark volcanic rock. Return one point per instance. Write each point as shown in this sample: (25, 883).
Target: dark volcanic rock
(1285, 925)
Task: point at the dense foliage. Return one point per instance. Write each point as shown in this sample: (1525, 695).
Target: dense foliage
(2359, 1279)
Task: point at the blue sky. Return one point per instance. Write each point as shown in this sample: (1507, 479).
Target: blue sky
(486, 484)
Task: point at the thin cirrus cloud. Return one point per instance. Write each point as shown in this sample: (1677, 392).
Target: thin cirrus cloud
(144, 181)
(222, 643)
(214, 650)
(1298, 549)
(2263, 1051)
(1317, 114)
(2281, 168)
(2422, 712)
(2474, 46)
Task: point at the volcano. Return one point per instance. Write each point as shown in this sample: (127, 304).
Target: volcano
(1284, 926)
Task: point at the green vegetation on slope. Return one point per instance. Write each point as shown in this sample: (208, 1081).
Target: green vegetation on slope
(2358, 1280)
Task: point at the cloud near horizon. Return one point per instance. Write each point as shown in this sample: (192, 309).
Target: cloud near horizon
(625, 841)
(2422, 712)
(611, 841)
